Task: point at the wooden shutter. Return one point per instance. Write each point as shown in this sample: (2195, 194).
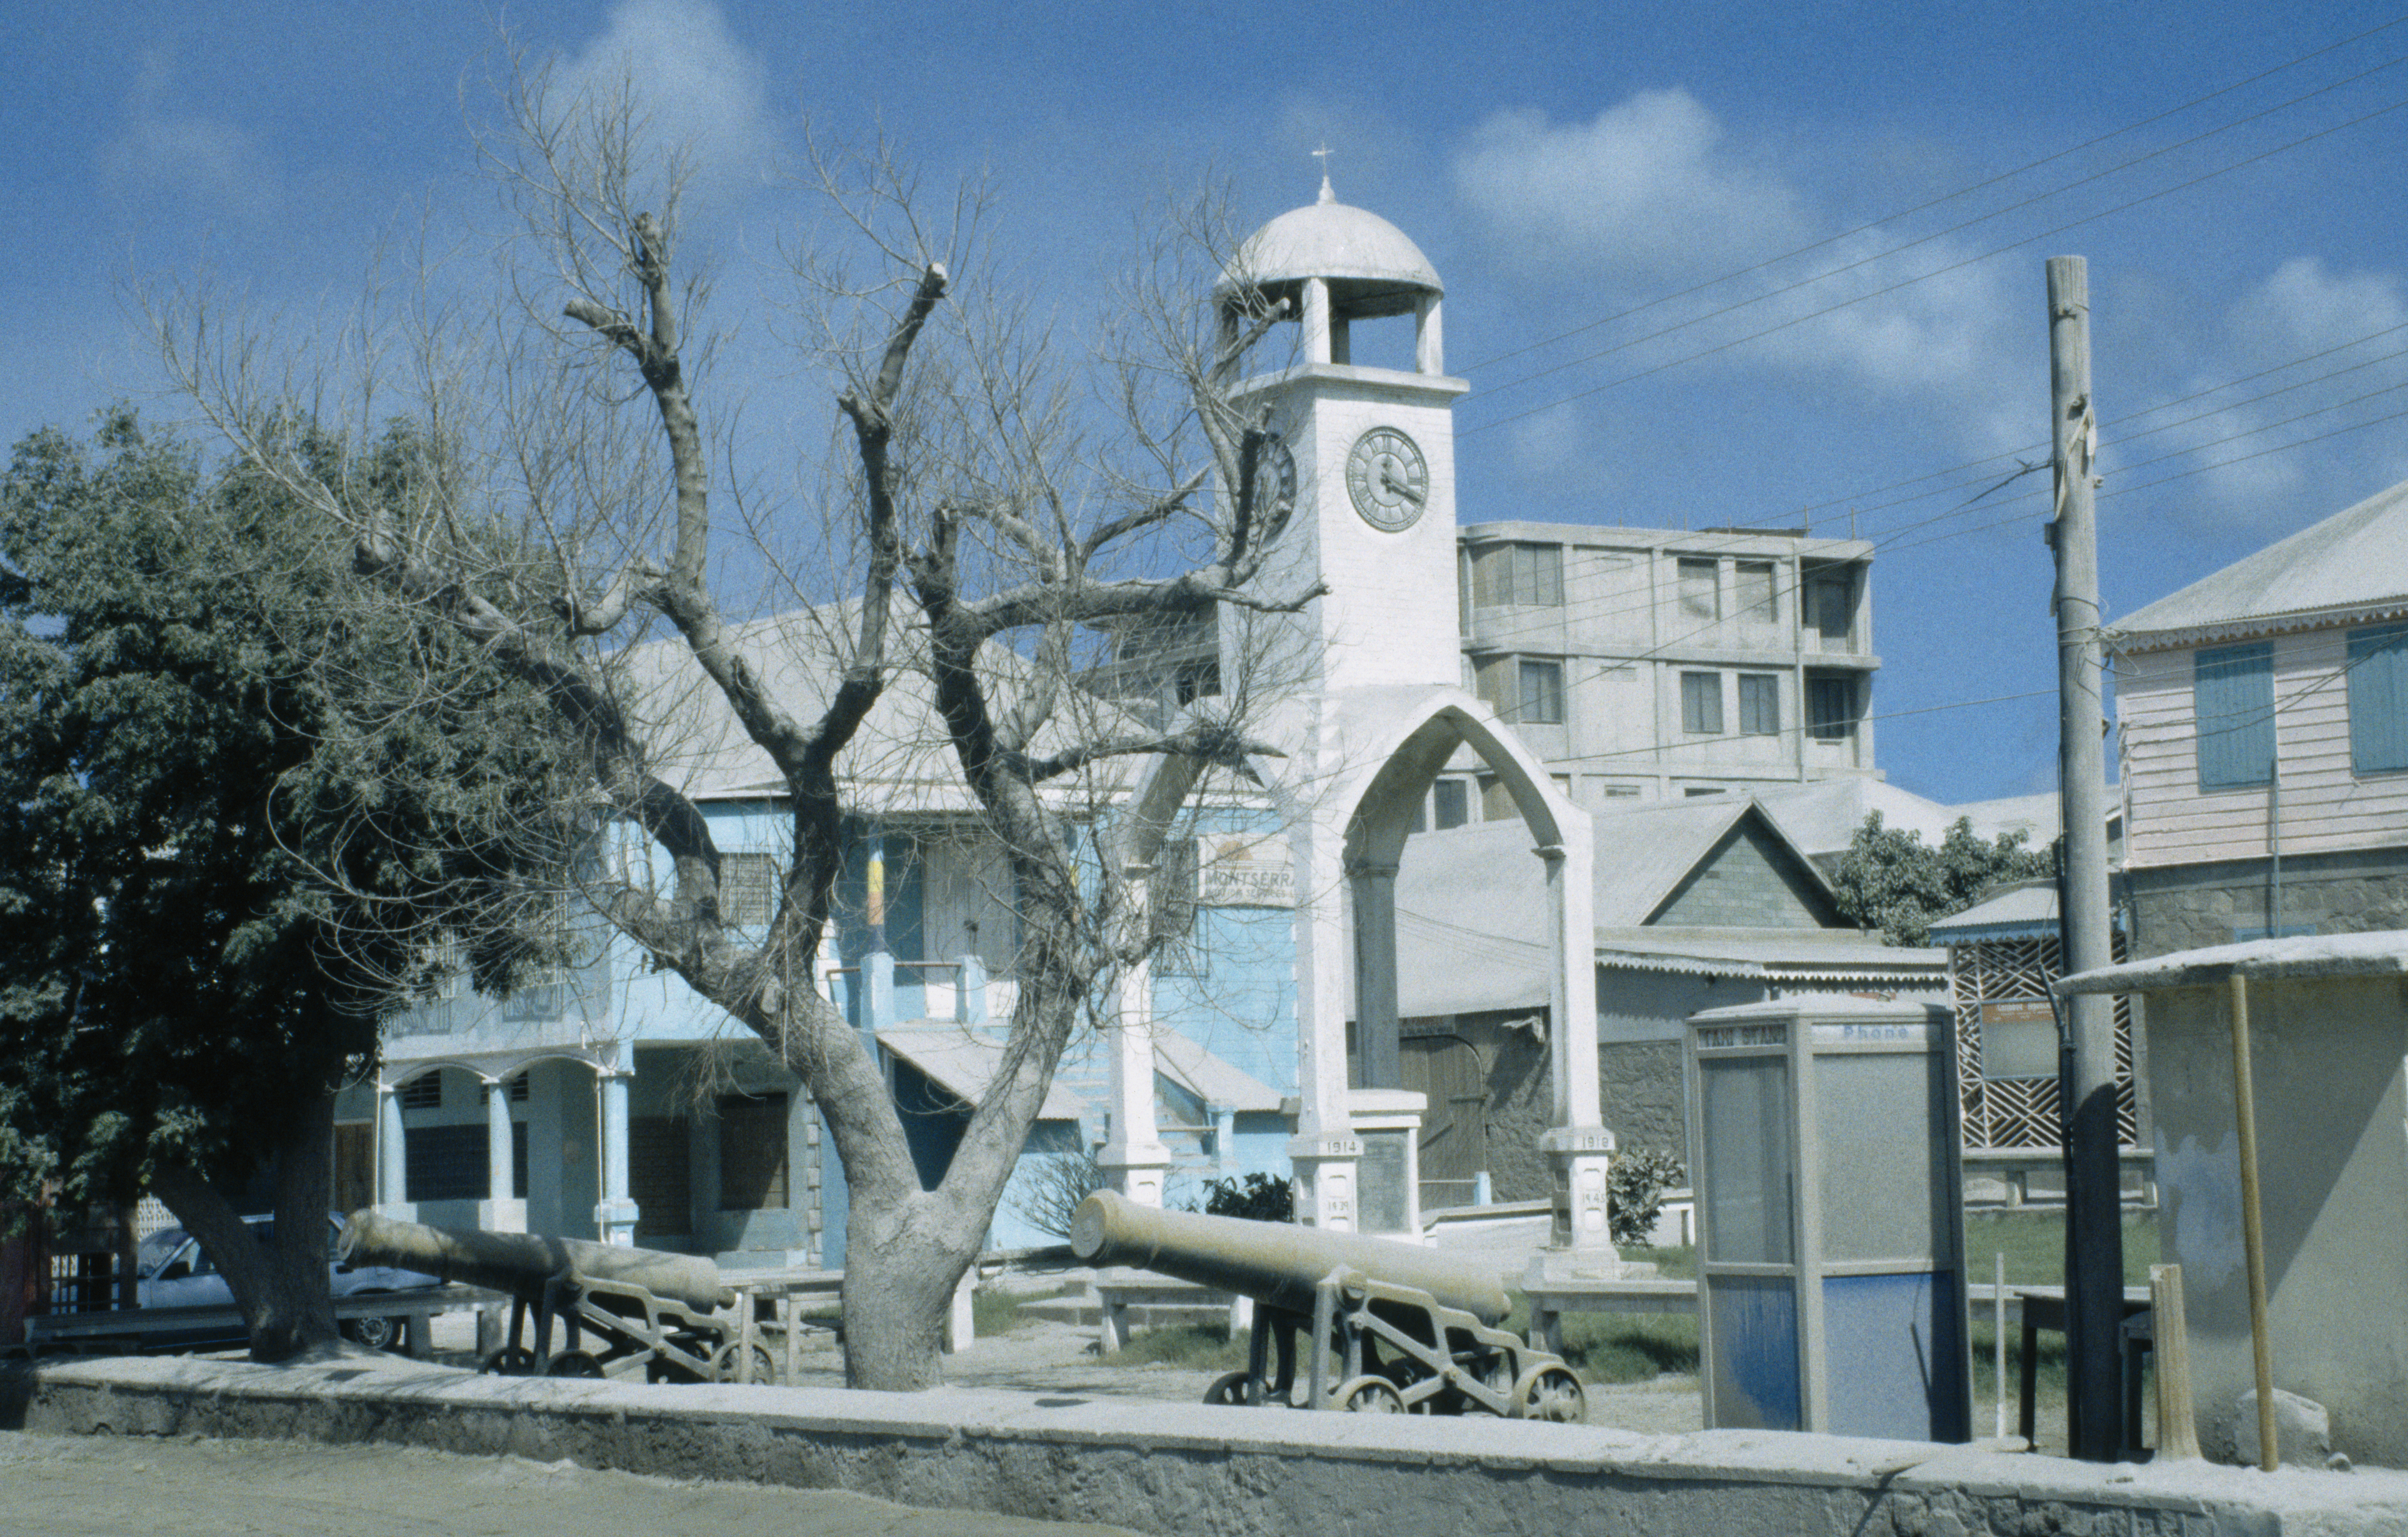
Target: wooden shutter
(2378, 699)
(751, 1152)
(658, 1179)
(2232, 693)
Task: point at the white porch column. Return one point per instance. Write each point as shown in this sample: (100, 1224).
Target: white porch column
(1325, 1150)
(392, 1157)
(502, 1211)
(1579, 1148)
(614, 1219)
(1134, 1159)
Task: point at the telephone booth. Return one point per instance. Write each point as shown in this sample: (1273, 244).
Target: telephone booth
(1823, 1146)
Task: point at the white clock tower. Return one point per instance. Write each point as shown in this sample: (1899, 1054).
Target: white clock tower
(1372, 452)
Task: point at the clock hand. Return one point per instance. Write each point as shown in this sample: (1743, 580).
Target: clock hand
(1400, 488)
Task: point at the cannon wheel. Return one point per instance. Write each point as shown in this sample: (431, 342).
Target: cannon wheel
(728, 1364)
(1237, 1388)
(508, 1361)
(575, 1364)
(1550, 1392)
(1369, 1396)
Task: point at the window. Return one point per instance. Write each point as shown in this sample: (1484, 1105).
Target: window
(423, 1092)
(1518, 575)
(2232, 694)
(454, 1162)
(751, 1152)
(1830, 609)
(1541, 699)
(1760, 704)
(1752, 591)
(1700, 597)
(1525, 691)
(748, 884)
(1195, 680)
(2378, 699)
(1832, 706)
(1701, 703)
(1451, 802)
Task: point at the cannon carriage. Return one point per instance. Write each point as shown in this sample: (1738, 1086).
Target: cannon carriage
(651, 1315)
(1408, 1330)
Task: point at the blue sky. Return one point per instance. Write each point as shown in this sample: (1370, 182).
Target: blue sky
(1646, 202)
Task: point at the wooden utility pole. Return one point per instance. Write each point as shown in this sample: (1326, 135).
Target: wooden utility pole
(2094, 1234)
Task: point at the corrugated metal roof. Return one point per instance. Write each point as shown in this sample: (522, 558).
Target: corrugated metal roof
(1800, 955)
(900, 761)
(2299, 957)
(2014, 913)
(963, 1064)
(1211, 1079)
(2352, 564)
(1472, 923)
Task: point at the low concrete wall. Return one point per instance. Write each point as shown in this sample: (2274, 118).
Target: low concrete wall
(1229, 1472)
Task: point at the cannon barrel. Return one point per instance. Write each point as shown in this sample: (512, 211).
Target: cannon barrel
(1275, 1263)
(520, 1263)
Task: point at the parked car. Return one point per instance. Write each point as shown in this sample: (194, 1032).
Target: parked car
(172, 1271)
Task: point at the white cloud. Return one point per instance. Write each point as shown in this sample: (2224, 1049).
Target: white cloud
(1647, 193)
(1655, 197)
(698, 88)
(162, 148)
(2302, 309)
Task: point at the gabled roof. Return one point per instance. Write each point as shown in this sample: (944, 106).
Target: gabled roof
(1472, 922)
(2352, 566)
(900, 761)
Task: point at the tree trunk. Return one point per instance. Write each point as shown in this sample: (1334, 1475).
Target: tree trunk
(900, 1269)
(281, 1289)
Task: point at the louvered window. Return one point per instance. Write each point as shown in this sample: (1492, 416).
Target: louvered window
(2378, 699)
(2233, 698)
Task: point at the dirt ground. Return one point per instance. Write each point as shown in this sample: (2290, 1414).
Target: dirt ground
(105, 1486)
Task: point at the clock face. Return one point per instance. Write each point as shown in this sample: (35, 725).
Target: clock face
(1274, 486)
(1387, 479)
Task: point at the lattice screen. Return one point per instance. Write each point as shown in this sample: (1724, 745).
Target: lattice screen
(2021, 1113)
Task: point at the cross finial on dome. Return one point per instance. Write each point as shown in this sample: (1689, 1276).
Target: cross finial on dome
(1321, 154)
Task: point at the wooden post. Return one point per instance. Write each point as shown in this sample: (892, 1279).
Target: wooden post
(2094, 1214)
(2253, 1235)
(2177, 1427)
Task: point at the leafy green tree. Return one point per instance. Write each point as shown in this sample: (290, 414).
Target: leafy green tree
(238, 808)
(1891, 879)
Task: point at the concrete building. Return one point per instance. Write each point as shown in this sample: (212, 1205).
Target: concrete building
(2264, 716)
(1653, 665)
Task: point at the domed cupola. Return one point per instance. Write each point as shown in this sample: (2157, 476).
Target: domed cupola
(1334, 263)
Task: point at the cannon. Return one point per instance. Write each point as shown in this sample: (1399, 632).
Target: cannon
(1413, 1330)
(652, 1312)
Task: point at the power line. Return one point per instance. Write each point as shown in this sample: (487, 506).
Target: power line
(1940, 234)
(1905, 213)
(1942, 271)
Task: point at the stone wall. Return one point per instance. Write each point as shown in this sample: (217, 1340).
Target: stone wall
(2185, 907)
(1189, 1468)
(1639, 1091)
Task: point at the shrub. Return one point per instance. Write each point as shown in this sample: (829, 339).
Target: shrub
(1635, 1191)
(1258, 1198)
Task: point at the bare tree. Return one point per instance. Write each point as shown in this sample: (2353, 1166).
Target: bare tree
(1002, 512)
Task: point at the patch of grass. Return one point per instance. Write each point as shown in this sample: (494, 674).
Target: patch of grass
(1200, 1348)
(1609, 1347)
(2033, 1242)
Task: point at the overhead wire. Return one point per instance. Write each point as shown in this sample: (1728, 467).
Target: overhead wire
(1936, 272)
(1940, 234)
(1946, 197)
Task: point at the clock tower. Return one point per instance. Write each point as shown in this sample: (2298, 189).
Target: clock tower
(1371, 451)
